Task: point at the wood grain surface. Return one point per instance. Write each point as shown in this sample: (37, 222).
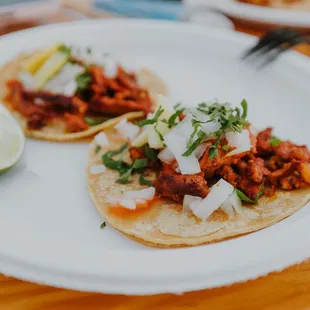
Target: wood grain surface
(289, 289)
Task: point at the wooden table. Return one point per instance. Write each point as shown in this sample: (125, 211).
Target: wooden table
(289, 289)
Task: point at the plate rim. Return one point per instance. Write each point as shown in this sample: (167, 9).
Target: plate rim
(254, 13)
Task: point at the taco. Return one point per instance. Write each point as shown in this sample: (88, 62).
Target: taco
(195, 176)
(64, 93)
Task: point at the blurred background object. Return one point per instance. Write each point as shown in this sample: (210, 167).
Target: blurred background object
(18, 11)
(157, 9)
(255, 13)
(21, 14)
(17, 14)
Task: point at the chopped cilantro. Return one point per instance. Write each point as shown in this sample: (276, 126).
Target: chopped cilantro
(144, 181)
(140, 163)
(118, 151)
(275, 141)
(150, 153)
(65, 49)
(97, 149)
(225, 148)
(244, 198)
(137, 165)
(95, 121)
(88, 50)
(172, 120)
(213, 152)
(244, 105)
(153, 120)
(117, 165)
(200, 137)
(161, 137)
(103, 225)
(175, 107)
(260, 192)
(196, 126)
(229, 118)
(83, 80)
(124, 179)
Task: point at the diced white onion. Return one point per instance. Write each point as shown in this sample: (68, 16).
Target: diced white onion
(27, 80)
(146, 194)
(178, 145)
(128, 130)
(114, 200)
(217, 195)
(253, 130)
(89, 55)
(142, 138)
(101, 139)
(128, 204)
(97, 169)
(207, 125)
(200, 150)
(189, 202)
(154, 136)
(164, 102)
(228, 208)
(177, 169)
(154, 139)
(38, 101)
(64, 81)
(140, 201)
(130, 199)
(184, 128)
(237, 151)
(231, 204)
(110, 67)
(166, 156)
(211, 127)
(239, 140)
(236, 202)
(70, 88)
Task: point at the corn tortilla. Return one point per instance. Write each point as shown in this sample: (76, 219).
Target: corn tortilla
(165, 225)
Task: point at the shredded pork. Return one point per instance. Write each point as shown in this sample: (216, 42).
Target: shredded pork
(102, 97)
(260, 171)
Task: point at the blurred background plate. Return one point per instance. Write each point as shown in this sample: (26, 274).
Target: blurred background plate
(263, 16)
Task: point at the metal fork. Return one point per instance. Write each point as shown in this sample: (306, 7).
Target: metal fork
(275, 42)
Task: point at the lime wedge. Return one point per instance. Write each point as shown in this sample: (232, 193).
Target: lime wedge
(12, 141)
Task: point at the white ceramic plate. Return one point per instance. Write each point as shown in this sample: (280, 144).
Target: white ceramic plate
(250, 12)
(49, 229)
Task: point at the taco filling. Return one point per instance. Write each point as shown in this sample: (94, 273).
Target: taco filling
(75, 88)
(208, 160)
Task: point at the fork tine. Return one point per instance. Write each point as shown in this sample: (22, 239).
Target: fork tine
(285, 39)
(279, 35)
(263, 41)
(277, 52)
